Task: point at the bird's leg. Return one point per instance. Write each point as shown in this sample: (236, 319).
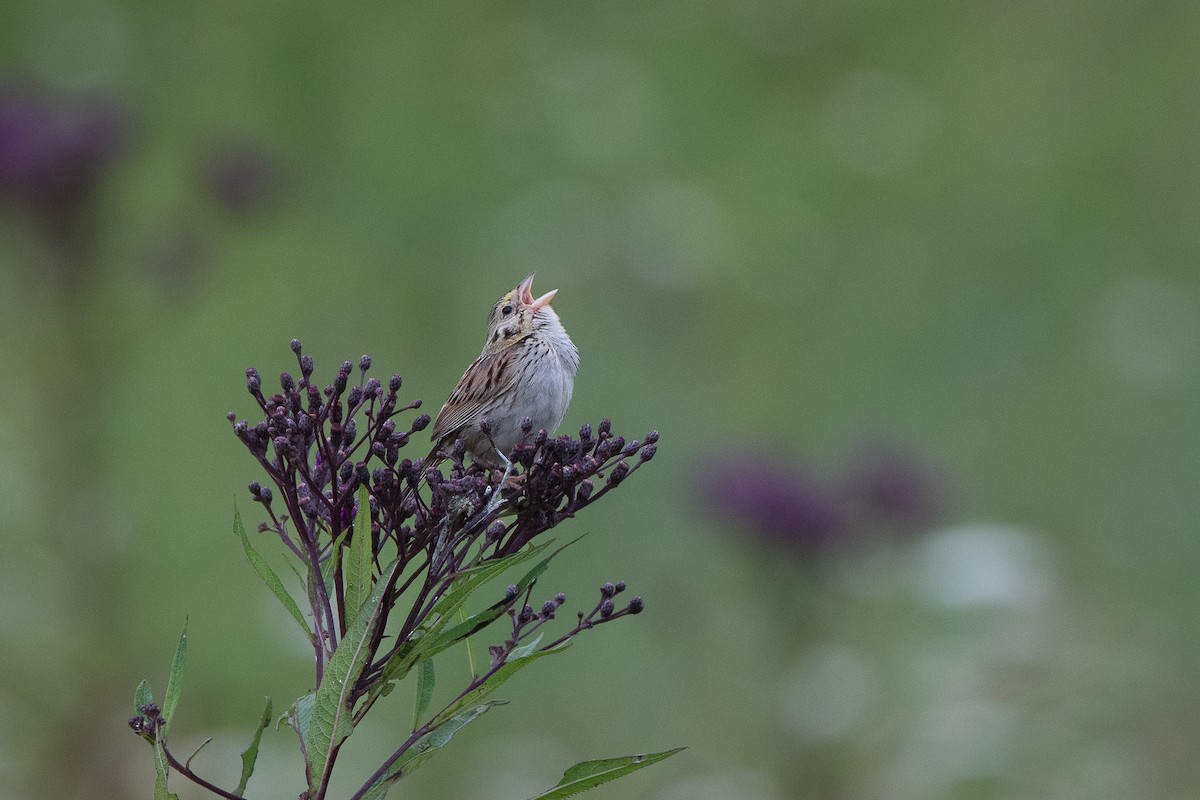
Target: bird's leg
(494, 501)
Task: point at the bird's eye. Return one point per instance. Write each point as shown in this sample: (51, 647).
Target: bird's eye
(506, 310)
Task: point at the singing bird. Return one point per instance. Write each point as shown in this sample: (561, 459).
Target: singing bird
(527, 369)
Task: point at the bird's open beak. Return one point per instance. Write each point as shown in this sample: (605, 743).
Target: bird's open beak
(523, 292)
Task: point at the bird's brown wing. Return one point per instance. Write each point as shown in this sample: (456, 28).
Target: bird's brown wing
(488, 378)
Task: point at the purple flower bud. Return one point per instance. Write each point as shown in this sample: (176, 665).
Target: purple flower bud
(637, 605)
(394, 383)
(420, 423)
(287, 383)
(560, 598)
(306, 366)
(511, 592)
(585, 432)
(296, 346)
(620, 586)
(619, 471)
(253, 382)
(648, 451)
(605, 428)
(364, 363)
(584, 491)
(527, 425)
(548, 609)
(608, 590)
(606, 609)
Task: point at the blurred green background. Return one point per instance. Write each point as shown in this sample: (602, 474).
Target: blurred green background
(910, 290)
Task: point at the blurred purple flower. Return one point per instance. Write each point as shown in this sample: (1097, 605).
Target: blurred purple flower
(779, 504)
(891, 486)
(54, 148)
(884, 489)
(241, 176)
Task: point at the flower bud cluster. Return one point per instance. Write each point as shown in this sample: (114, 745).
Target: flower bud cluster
(321, 447)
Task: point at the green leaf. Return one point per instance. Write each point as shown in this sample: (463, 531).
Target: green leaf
(469, 645)
(299, 717)
(250, 754)
(268, 575)
(161, 769)
(174, 681)
(425, 681)
(425, 747)
(471, 579)
(589, 774)
(518, 659)
(142, 696)
(434, 640)
(358, 565)
(331, 720)
(329, 566)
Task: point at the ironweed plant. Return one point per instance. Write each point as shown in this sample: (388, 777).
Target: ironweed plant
(390, 550)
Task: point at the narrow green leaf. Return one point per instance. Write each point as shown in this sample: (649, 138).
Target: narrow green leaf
(250, 754)
(518, 659)
(142, 696)
(332, 719)
(434, 639)
(471, 579)
(161, 770)
(590, 774)
(174, 680)
(469, 645)
(329, 566)
(299, 717)
(426, 746)
(358, 565)
(268, 575)
(425, 681)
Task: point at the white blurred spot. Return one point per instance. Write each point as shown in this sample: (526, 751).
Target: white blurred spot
(1149, 330)
(828, 693)
(957, 741)
(874, 122)
(985, 564)
(674, 231)
(732, 784)
(601, 104)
